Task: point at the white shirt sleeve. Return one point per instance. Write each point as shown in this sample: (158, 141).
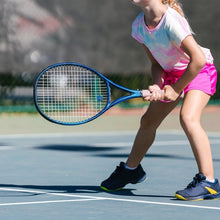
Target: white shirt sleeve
(136, 29)
(178, 29)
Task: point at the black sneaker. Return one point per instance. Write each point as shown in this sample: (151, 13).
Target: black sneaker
(122, 176)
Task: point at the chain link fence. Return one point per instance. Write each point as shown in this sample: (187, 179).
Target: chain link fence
(37, 33)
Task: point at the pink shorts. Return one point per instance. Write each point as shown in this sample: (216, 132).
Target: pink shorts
(205, 81)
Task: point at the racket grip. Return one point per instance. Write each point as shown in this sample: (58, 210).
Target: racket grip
(147, 93)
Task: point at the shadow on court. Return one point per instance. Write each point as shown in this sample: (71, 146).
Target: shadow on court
(58, 177)
(74, 189)
(16, 194)
(77, 148)
(92, 149)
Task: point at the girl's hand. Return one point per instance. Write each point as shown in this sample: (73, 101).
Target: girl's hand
(156, 94)
(170, 94)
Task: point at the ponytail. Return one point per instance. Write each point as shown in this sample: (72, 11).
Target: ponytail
(175, 5)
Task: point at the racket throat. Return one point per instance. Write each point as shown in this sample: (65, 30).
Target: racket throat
(136, 94)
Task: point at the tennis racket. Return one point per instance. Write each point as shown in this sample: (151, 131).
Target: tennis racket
(74, 94)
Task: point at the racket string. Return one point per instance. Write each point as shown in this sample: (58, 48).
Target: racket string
(71, 94)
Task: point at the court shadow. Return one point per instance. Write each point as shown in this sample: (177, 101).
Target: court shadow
(80, 189)
(98, 151)
(131, 192)
(76, 148)
(55, 188)
(162, 156)
(11, 193)
(149, 155)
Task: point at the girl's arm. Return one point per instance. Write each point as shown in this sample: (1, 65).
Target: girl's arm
(156, 70)
(197, 62)
(157, 77)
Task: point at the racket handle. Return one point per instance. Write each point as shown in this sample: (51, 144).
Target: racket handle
(146, 93)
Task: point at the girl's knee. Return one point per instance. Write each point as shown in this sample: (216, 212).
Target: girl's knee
(189, 121)
(147, 122)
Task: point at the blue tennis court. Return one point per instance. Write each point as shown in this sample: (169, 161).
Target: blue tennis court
(57, 176)
(49, 171)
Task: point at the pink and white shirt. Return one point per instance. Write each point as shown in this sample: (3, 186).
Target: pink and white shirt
(165, 39)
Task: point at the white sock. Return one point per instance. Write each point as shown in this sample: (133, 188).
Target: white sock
(211, 181)
(130, 168)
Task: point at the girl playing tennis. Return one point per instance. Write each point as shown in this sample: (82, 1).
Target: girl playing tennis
(179, 66)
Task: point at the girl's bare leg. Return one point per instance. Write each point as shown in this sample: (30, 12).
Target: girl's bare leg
(150, 121)
(190, 116)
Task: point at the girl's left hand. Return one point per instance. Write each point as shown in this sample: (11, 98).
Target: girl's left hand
(170, 94)
(156, 94)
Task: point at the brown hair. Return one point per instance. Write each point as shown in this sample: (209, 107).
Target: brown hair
(175, 5)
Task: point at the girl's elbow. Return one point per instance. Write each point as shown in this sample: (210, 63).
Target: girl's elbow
(200, 61)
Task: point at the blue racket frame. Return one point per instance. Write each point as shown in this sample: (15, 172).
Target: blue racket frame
(133, 94)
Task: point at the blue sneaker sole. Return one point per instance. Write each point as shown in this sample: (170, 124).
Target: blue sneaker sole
(144, 178)
(199, 198)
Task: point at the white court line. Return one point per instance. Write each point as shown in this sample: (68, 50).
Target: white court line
(47, 202)
(109, 133)
(125, 144)
(156, 143)
(165, 204)
(95, 198)
(6, 147)
(74, 134)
